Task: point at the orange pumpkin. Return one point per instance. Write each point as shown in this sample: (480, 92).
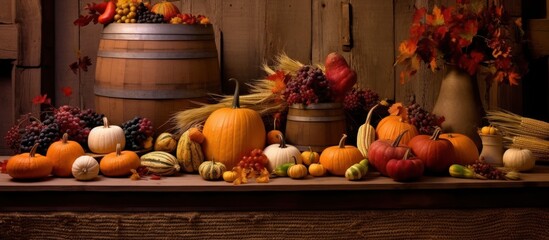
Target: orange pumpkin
(232, 131)
(391, 126)
(119, 163)
(272, 136)
(29, 165)
(167, 9)
(336, 159)
(63, 153)
(464, 147)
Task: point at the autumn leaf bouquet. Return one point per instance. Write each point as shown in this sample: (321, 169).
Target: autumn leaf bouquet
(467, 36)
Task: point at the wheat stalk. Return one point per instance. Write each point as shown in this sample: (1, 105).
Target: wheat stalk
(516, 125)
(261, 97)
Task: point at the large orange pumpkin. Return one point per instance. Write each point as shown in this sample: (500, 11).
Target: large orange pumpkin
(392, 126)
(336, 159)
(29, 165)
(231, 132)
(63, 153)
(464, 147)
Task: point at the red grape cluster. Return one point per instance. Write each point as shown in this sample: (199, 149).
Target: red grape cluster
(65, 119)
(137, 130)
(360, 100)
(307, 87)
(486, 170)
(424, 121)
(256, 161)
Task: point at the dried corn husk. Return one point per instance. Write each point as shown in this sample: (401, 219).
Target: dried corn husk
(515, 125)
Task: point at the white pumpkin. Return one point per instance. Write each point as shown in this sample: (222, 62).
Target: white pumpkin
(85, 168)
(103, 139)
(519, 159)
(279, 154)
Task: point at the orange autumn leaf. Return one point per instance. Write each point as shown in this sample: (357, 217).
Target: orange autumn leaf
(278, 77)
(395, 109)
(513, 78)
(407, 48)
(436, 19)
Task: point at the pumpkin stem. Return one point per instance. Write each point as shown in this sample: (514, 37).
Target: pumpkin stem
(436, 134)
(274, 123)
(236, 100)
(295, 160)
(311, 155)
(407, 154)
(369, 117)
(65, 138)
(282, 142)
(118, 150)
(397, 140)
(105, 122)
(342, 141)
(33, 150)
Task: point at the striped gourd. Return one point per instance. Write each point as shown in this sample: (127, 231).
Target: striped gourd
(356, 172)
(160, 163)
(189, 153)
(211, 170)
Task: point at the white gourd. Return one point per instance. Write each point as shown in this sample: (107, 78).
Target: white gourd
(103, 139)
(279, 154)
(85, 168)
(519, 159)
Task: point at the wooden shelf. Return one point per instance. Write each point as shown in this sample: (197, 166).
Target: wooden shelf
(189, 192)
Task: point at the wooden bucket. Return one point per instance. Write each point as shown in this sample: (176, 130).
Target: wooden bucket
(154, 70)
(316, 125)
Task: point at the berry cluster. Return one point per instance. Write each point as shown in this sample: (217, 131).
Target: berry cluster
(189, 19)
(137, 131)
(144, 15)
(307, 87)
(65, 119)
(360, 100)
(486, 170)
(424, 121)
(256, 161)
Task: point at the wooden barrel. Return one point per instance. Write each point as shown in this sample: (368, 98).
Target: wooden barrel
(316, 125)
(154, 70)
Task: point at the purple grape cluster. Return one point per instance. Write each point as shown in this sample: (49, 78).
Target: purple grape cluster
(486, 170)
(307, 87)
(360, 100)
(424, 121)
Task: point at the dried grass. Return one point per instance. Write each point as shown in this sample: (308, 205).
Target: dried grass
(515, 125)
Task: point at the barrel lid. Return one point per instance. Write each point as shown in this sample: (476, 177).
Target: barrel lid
(157, 32)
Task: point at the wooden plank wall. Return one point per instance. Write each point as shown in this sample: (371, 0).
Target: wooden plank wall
(249, 33)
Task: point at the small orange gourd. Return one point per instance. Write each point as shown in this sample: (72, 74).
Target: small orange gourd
(272, 136)
(309, 157)
(336, 159)
(119, 163)
(63, 153)
(29, 165)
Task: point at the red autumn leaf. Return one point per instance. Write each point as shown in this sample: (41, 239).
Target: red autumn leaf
(155, 177)
(84, 62)
(41, 99)
(470, 62)
(419, 14)
(3, 165)
(67, 91)
(514, 78)
(74, 67)
(82, 20)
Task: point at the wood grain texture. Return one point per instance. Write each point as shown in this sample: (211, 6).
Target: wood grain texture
(88, 44)
(7, 12)
(7, 100)
(9, 37)
(66, 50)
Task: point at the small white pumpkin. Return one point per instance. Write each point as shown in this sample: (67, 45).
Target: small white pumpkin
(103, 139)
(279, 154)
(519, 159)
(85, 168)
